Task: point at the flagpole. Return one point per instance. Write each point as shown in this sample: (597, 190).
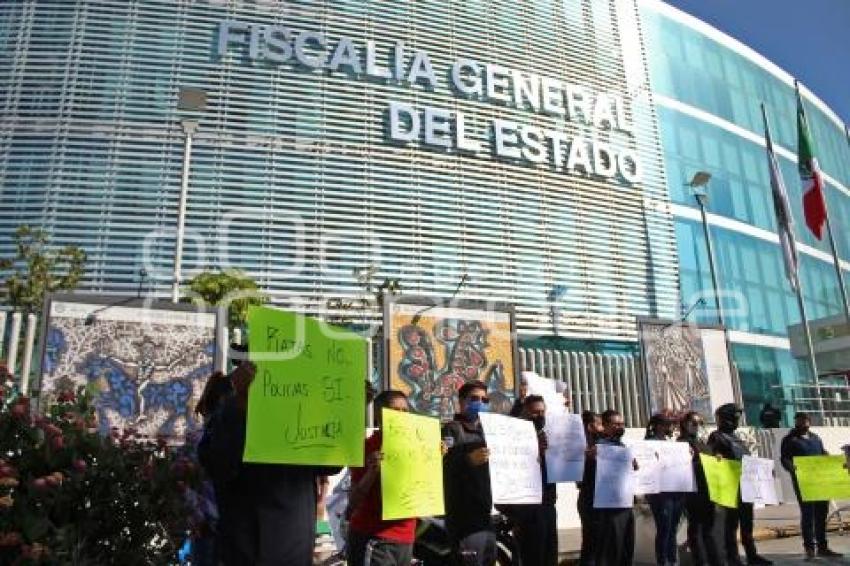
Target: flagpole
(793, 275)
(838, 271)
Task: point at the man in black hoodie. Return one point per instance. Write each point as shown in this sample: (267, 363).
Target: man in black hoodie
(466, 479)
(802, 442)
(705, 551)
(267, 512)
(723, 442)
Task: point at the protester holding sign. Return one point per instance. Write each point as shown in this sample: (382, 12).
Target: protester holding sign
(535, 524)
(666, 507)
(387, 543)
(704, 546)
(267, 512)
(466, 476)
(614, 527)
(593, 432)
(724, 443)
(800, 441)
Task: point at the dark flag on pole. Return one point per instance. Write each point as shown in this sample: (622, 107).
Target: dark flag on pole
(782, 206)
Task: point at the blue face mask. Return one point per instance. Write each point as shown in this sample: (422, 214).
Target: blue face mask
(475, 407)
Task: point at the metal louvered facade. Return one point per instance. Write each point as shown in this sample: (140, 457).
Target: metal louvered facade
(292, 177)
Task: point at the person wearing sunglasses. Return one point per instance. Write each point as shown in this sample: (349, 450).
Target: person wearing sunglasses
(699, 510)
(466, 479)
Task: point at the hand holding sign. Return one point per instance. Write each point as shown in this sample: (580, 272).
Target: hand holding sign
(822, 478)
(723, 478)
(515, 475)
(306, 404)
(411, 468)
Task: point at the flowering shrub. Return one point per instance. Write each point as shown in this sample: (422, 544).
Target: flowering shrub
(70, 496)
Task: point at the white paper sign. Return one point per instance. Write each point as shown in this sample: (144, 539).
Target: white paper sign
(515, 475)
(614, 477)
(565, 454)
(647, 478)
(717, 367)
(544, 387)
(757, 485)
(676, 472)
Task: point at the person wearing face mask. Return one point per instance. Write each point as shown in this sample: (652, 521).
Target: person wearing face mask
(466, 479)
(802, 442)
(666, 507)
(614, 529)
(699, 509)
(535, 524)
(723, 442)
(592, 432)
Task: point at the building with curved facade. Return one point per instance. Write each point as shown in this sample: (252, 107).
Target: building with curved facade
(539, 148)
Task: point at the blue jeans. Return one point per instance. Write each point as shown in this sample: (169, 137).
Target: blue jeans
(667, 511)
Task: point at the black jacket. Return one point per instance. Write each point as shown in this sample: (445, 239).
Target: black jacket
(267, 511)
(794, 444)
(468, 498)
(727, 445)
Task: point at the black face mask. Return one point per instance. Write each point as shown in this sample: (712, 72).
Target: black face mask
(617, 434)
(728, 425)
(539, 423)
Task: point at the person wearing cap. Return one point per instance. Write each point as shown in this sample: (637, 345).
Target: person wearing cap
(666, 507)
(800, 441)
(723, 442)
(466, 479)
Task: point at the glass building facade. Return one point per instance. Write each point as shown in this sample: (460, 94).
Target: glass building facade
(292, 177)
(708, 91)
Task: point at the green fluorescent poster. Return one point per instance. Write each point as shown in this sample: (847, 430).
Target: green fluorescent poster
(822, 478)
(307, 402)
(412, 466)
(723, 478)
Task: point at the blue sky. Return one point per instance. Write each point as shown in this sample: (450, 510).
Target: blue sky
(808, 38)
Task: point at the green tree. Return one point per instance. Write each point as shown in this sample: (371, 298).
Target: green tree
(37, 269)
(232, 289)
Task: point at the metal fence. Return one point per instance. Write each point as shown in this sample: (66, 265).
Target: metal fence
(596, 381)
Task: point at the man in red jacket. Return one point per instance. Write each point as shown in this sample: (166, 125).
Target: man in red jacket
(371, 540)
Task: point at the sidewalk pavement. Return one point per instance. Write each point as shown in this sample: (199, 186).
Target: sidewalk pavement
(777, 532)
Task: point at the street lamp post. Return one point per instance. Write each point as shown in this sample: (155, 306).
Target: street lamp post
(699, 184)
(189, 127)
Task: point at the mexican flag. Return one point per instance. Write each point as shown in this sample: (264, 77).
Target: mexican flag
(814, 202)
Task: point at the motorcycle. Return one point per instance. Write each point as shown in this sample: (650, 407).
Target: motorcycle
(432, 546)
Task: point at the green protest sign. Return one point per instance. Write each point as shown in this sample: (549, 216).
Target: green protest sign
(822, 478)
(412, 467)
(307, 402)
(723, 478)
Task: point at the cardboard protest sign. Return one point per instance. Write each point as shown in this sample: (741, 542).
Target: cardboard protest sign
(615, 477)
(724, 479)
(307, 402)
(822, 478)
(515, 474)
(567, 444)
(757, 482)
(412, 466)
